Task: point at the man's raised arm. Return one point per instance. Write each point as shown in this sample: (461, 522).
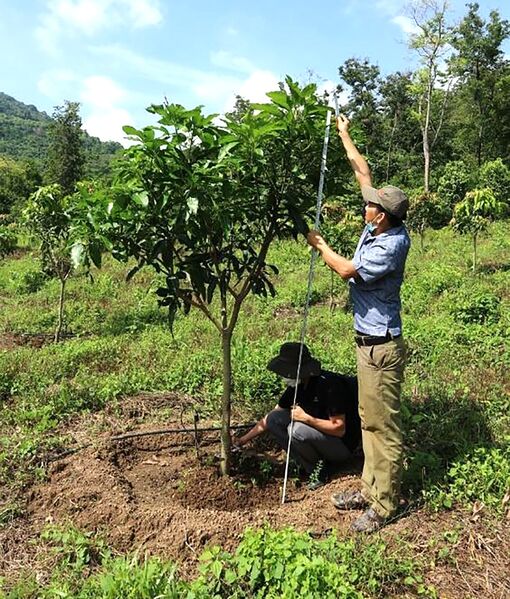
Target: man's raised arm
(358, 163)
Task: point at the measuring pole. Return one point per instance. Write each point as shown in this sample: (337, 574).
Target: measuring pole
(310, 281)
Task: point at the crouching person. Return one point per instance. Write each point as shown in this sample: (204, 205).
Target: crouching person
(327, 426)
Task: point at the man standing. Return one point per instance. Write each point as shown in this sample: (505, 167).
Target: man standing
(326, 426)
(375, 276)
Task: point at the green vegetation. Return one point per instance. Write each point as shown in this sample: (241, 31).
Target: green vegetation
(189, 222)
(266, 564)
(26, 137)
(456, 392)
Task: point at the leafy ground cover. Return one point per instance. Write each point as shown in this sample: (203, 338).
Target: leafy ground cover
(456, 406)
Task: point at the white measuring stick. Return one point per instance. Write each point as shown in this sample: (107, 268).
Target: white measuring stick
(309, 293)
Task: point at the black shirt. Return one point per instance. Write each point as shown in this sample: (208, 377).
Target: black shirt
(329, 394)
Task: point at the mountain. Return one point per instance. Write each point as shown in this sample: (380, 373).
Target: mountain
(24, 136)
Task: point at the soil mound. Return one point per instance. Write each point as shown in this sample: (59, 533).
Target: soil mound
(155, 495)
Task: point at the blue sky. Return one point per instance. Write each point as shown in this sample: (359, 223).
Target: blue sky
(116, 57)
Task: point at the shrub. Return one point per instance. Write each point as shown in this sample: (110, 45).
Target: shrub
(496, 176)
(481, 476)
(426, 211)
(7, 241)
(29, 281)
(482, 307)
(455, 182)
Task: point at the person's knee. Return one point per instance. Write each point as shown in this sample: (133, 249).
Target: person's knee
(276, 419)
(300, 432)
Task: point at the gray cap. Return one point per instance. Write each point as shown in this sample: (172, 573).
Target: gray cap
(391, 198)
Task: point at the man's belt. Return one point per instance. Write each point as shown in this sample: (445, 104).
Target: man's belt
(362, 339)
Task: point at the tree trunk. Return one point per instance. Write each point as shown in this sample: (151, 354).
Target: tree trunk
(390, 147)
(331, 290)
(60, 322)
(474, 252)
(226, 345)
(422, 240)
(426, 128)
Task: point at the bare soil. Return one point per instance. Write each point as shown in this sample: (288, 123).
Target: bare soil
(154, 494)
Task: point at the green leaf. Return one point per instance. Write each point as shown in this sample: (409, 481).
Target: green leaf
(128, 130)
(280, 98)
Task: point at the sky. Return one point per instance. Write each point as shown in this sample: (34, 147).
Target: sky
(117, 57)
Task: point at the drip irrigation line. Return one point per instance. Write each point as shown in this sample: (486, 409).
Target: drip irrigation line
(313, 258)
(170, 431)
(136, 434)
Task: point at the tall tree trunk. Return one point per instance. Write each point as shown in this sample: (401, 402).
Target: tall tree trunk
(479, 145)
(60, 322)
(426, 146)
(331, 291)
(474, 252)
(226, 345)
(390, 147)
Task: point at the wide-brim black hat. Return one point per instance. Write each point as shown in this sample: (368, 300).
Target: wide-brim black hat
(286, 362)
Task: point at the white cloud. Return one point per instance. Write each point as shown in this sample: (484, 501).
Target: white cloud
(209, 86)
(144, 13)
(227, 60)
(101, 92)
(254, 88)
(389, 6)
(407, 26)
(107, 124)
(57, 84)
(101, 100)
(89, 17)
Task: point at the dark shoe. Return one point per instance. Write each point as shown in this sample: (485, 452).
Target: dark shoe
(368, 522)
(349, 500)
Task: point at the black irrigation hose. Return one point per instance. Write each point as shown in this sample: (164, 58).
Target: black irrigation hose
(165, 431)
(169, 431)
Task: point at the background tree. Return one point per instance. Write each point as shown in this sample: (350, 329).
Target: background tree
(60, 223)
(342, 228)
(18, 179)
(473, 214)
(456, 180)
(201, 203)
(362, 79)
(496, 176)
(66, 156)
(426, 212)
(7, 240)
(399, 136)
(431, 45)
(478, 63)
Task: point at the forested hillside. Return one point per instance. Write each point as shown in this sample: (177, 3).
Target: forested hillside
(24, 136)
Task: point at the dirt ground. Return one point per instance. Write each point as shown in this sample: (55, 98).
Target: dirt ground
(155, 494)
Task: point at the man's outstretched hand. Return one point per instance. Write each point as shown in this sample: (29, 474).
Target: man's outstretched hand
(315, 239)
(342, 124)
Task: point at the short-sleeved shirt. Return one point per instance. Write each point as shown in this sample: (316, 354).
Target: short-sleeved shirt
(375, 294)
(329, 394)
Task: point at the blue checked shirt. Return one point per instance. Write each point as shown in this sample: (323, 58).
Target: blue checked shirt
(375, 294)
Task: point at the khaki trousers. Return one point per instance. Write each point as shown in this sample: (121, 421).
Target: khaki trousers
(380, 376)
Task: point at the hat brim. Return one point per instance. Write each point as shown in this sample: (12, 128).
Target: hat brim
(288, 369)
(370, 195)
